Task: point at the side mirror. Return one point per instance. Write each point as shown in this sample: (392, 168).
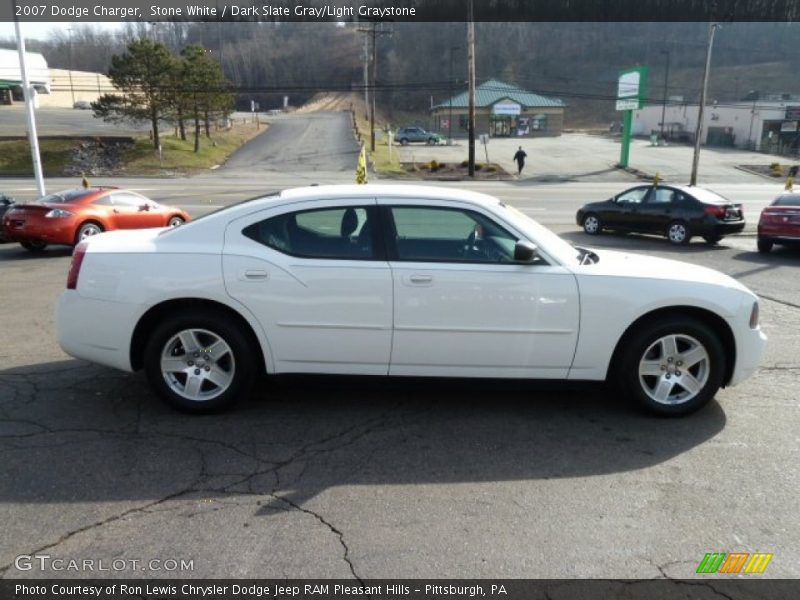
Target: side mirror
(144, 207)
(525, 252)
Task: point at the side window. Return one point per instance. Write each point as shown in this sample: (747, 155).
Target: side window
(634, 196)
(104, 201)
(336, 233)
(128, 200)
(661, 195)
(450, 235)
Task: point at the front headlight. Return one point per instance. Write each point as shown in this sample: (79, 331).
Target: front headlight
(754, 316)
(58, 213)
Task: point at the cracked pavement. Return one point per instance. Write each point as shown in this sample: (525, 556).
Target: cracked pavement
(358, 478)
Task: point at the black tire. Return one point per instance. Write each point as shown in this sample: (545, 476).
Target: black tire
(34, 245)
(403, 141)
(85, 229)
(592, 224)
(764, 245)
(175, 221)
(238, 363)
(645, 351)
(678, 233)
(712, 239)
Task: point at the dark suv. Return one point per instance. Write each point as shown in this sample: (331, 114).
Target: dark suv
(405, 135)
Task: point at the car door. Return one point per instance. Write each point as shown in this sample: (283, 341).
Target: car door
(132, 211)
(657, 209)
(315, 277)
(626, 215)
(462, 307)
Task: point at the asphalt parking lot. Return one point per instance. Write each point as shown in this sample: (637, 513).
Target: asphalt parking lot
(349, 477)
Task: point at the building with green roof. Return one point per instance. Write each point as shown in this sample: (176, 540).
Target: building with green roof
(501, 110)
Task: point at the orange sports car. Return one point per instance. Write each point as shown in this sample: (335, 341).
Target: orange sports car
(73, 215)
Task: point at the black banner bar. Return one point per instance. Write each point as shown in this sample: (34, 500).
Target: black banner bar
(399, 10)
(400, 589)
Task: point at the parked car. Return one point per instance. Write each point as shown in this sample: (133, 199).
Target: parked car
(398, 280)
(406, 135)
(70, 216)
(779, 222)
(82, 105)
(5, 203)
(677, 212)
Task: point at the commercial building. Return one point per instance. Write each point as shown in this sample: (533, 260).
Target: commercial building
(765, 125)
(501, 110)
(11, 74)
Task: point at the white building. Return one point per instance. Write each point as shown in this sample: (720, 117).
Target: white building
(11, 75)
(763, 125)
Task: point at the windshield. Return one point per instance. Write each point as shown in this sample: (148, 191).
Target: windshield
(553, 245)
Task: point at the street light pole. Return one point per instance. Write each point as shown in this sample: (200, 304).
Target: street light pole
(33, 138)
(701, 108)
(666, 84)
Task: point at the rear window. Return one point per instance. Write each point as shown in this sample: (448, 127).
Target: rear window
(65, 197)
(787, 200)
(707, 196)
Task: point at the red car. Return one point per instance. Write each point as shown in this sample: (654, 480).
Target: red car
(73, 215)
(780, 222)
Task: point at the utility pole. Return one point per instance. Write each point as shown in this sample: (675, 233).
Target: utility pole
(29, 114)
(701, 108)
(471, 77)
(373, 31)
(450, 88)
(366, 74)
(666, 84)
(71, 87)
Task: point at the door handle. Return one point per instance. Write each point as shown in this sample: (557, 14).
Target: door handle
(420, 278)
(253, 274)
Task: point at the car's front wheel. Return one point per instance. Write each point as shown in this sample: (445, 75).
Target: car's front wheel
(592, 224)
(672, 367)
(199, 362)
(764, 245)
(403, 141)
(678, 233)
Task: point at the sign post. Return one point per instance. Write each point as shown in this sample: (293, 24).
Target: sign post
(631, 93)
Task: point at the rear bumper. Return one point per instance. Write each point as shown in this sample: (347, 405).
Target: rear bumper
(726, 228)
(52, 231)
(96, 330)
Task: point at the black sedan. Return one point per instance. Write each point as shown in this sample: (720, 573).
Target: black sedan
(677, 212)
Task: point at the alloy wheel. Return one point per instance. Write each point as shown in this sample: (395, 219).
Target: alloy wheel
(674, 369)
(197, 364)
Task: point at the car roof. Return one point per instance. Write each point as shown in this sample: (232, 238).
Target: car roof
(349, 191)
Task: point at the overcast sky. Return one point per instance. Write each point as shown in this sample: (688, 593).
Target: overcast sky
(41, 31)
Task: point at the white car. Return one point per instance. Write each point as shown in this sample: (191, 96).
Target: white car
(398, 280)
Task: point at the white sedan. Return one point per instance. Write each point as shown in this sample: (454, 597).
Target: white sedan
(398, 280)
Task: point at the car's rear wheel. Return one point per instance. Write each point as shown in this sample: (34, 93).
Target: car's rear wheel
(592, 224)
(34, 245)
(672, 367)
(175, 221)
(712, 239)
(764, 245)
(678, 233)
(87, 230)
(199, 362)
(403, 141)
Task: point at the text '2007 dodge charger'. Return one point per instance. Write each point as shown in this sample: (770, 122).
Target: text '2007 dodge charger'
(399, 280)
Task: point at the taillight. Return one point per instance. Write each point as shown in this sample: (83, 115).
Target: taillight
(75, 265)
(715, 211)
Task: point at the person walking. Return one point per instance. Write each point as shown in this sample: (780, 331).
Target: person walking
(520, 157)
